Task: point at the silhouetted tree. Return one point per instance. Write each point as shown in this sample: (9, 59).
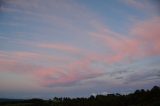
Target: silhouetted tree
(138, 98)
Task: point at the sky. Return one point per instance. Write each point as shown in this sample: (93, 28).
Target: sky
(76, 48)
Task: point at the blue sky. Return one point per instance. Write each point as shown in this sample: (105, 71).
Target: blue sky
(78, 47)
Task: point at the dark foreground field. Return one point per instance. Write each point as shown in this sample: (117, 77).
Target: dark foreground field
(138, 98)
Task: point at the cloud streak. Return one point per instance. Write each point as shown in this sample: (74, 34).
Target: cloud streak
(61, 47)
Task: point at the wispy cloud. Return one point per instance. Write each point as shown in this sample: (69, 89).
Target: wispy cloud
(137, 3)
(61, 47)
(148, 34)
(46, 75)
(143, 40)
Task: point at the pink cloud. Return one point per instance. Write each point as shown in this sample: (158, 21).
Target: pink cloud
(25, 56)
(149, 35)
(70, 73)
(15, 66)
(143, 40)
(73, 73)
(20, 54)
(61, 47)
(120, 46)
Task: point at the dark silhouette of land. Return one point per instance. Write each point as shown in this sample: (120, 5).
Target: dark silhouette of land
(138, 98)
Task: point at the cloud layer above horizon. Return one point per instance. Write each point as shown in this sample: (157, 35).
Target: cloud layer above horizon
(78, 47)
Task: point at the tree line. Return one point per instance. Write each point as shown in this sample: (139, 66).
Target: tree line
(138, 98)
